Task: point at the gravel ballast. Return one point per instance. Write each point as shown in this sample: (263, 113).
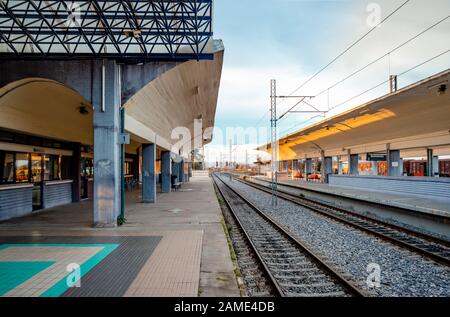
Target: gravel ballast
(403, 273)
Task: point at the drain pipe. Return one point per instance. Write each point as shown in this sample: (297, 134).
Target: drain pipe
(122, 167)
(122, 147)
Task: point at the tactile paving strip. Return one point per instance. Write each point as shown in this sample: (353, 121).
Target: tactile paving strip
(114, 274)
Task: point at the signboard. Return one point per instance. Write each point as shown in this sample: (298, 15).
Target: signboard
(124, 138)
(376, 157)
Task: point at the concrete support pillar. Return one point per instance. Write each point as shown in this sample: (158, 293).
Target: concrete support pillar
(181, 172)
(340, 166)
(353, 164)
(322, 167)
(308, 167)
(429, 162)
(435, 166)
(189, 171)
(136, 166)
(149, 173)
(76, 170)
(327, 167)
(175, 169)
(394, 167)
(107, 189)
(165, 172)
(294, 168)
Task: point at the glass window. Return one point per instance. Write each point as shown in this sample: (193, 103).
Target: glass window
(127, 170)
(66, 167)
(36, 168)
(89, 168)
(22, 171)
(52, 168)
(8, 169)
(6, 136)
(56, 167)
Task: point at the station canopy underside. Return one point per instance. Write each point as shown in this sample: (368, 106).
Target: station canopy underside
(412, 119)
(126, 29)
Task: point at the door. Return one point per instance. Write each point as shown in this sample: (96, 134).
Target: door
(37, 175)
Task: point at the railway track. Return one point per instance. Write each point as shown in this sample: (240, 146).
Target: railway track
(423, 244)
(292, 268)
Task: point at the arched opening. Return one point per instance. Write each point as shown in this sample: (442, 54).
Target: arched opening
(46, 146)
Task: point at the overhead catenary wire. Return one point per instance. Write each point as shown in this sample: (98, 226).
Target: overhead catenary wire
(383, 56)
(434, 25)
(349, 48)
(373, 88)
(386, 81)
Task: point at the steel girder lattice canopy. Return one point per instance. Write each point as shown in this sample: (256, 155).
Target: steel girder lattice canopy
(126, 29)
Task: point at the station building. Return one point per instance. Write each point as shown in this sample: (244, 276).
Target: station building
(399, 142)
(88, 107)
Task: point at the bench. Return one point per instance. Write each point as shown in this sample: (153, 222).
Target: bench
(175, 183)
(176, 186)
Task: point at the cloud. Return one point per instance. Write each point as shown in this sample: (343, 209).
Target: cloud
(290, 40)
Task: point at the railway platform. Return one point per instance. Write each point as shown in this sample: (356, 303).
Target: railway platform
(175, 247)
(421, 204)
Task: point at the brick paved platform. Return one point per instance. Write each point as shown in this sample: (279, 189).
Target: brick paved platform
(183, 246)
(425, 205)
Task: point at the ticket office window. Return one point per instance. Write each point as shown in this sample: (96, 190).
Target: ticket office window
(52, 167)
(29, 168)
(7, 169)
(14, 167)
(36, 168)
(22, 168)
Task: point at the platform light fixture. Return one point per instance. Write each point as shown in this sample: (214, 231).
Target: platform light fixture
(83, 111)
(440, 88)
(132, 33)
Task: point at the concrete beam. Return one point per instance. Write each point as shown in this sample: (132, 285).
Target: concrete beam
(144, 134)
(78, 74)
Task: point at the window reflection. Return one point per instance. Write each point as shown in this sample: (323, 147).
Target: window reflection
(52, 167)
(36, 168)
(22, 172)
(8, 169)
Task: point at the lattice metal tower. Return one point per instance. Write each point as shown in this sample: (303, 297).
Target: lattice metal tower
(274, 140)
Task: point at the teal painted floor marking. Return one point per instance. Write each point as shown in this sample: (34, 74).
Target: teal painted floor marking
(60, 287)
(12, 274)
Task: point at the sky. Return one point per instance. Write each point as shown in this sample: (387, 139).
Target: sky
(290, 40)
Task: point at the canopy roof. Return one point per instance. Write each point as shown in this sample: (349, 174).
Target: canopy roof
(125, 29)
(417, 116)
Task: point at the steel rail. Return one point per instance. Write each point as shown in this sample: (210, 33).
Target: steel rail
(306, 203)
(349, 286)
(267, 272)
(393, 226)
